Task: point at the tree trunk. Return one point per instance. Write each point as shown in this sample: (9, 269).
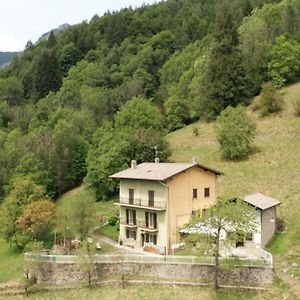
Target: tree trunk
(217, 265)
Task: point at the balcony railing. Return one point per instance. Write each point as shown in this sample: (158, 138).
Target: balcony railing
(138, 223)
(129, 223)
(158, 205)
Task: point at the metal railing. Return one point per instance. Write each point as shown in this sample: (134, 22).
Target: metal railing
(144, 203)
(141, 258)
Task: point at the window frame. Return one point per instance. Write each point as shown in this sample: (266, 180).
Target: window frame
(195, 193)
(206, 192)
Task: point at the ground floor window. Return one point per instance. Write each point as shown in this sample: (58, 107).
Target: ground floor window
(131, 234)
(151, 238)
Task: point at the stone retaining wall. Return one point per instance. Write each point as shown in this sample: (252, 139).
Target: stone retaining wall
(52, 273)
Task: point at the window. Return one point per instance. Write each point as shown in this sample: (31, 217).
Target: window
(151, 198)
(151, 238)
(130, 234)
(130, 217)
(206, 192)
(131, 196)
(195, 192)
(151, 220)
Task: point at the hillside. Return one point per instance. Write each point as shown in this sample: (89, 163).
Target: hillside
(272, 169)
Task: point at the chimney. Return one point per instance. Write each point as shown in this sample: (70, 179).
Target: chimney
(194, 161)
(156, 160)
(133, 164)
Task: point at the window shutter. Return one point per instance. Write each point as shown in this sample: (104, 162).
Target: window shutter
(127, 216)
(127, 233)
(147, 219)
(155, 220)
(147, 238)
(134, 235)
(134, 217)
(155, 239)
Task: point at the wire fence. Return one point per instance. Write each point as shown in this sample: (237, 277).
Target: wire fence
(161, 259)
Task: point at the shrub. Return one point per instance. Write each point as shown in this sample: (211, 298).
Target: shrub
(113, 220)
(270, 100)
(235, 132)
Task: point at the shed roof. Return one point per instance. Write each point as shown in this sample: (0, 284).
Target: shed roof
(261, 201)
(159, 171)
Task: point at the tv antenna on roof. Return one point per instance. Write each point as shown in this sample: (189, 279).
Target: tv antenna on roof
(156, 151)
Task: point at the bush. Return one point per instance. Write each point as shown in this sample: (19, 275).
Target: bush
(235, 132)
(270, 101)
(112, 221)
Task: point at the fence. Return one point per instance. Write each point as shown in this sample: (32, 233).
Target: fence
(135, 258)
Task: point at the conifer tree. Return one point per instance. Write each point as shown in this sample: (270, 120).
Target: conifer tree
(224, 80)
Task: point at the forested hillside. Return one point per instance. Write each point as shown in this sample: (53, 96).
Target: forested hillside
(83, 103)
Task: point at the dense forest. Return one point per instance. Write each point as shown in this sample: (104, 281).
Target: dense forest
(83, 103)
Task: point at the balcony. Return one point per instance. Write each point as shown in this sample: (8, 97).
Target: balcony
(148, 227)
(128, 223)
(142, 203)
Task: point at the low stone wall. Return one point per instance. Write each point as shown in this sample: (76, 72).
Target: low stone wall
(53, 273)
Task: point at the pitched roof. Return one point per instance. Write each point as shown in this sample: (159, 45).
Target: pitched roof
(261, 201)
(159, 171)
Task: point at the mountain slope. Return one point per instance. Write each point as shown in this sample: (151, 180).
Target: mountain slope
(272, 169)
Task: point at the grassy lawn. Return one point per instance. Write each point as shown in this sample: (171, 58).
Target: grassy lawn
(143, 292)
(111, 232)
(11, 263)
(103, 208)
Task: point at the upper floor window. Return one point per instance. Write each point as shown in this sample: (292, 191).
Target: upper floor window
(151, 220)
(151, 198)
(131, 196)
(206, 192)
(195, 193)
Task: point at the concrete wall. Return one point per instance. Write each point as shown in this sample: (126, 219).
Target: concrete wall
(268, 228)
(181, 202)
(66, 273)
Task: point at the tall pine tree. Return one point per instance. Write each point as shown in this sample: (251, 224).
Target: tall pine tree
(224, 80)
(47, 75)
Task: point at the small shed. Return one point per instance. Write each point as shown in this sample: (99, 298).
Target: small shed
(266, 209)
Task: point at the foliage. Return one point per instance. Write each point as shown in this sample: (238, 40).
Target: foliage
(231, 216)
(235, 132)
(11, 90)
(112, 221)
(270, 101)
(33, 267)
(24, 192)
(177, 113)
(83, 217)
(37, 218)
(86, 261)
(284, 64)
(139, 113)
(224, 82)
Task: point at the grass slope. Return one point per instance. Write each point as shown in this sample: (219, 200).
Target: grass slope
(11, 263)
(273, 168)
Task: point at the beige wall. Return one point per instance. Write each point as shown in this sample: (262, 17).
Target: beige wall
(267, 227)
(181, 202)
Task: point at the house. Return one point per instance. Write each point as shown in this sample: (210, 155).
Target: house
(266, 217)
(156, 199)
